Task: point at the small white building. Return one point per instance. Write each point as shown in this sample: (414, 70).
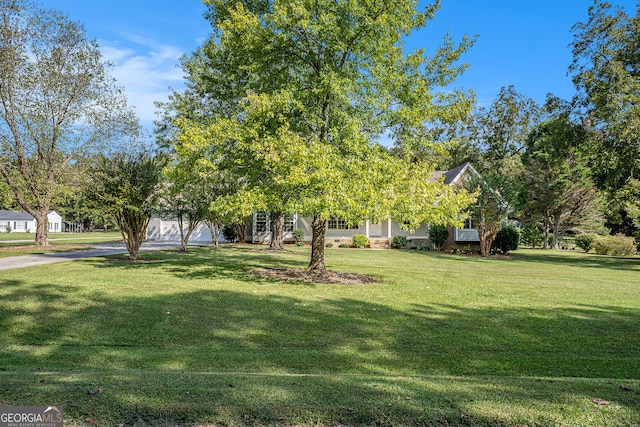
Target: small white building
(168, 229)
(22, 222)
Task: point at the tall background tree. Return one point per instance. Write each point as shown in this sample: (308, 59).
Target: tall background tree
(496, 137)
(558, 190)
(606, 72)
(312, 85)
(57, 100)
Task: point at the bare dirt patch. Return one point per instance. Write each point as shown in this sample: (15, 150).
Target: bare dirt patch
(302, 275)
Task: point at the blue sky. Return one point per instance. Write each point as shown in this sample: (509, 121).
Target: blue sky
(521, 42)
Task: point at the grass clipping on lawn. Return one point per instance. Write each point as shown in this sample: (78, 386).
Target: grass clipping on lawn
(314, 276)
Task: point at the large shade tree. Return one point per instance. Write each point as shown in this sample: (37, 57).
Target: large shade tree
(558, 187)
(606, 72)
(494, 138)
(303, 88)
(57, 101)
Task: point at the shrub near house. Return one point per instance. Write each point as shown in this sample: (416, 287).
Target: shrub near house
(399, 242)
(507, 239)
(360, 241)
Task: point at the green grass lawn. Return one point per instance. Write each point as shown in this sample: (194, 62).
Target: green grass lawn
(14, 244)
(537, 339)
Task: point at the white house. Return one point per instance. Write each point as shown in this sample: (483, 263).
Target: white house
(22, 222)
(167, 229)
(380, 233)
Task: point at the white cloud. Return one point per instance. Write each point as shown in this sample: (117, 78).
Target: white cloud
(146, 70)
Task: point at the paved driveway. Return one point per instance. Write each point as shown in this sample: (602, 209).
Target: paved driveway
(99, 250)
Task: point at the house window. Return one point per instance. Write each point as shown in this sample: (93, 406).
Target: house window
(25, 225)
(469, 224)
(289, 222)
(262, 220)
(340, 224)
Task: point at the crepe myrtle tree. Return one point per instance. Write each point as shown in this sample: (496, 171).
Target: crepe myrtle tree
(489, 212)
(186, 197)
(127, 186)
(57, 102)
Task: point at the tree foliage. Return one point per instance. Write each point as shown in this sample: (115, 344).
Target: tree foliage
(185, 197)
(606, 72)
(57, 101)
(492, 139)
(488, 213)
(127, 186)
(300, 90)
(558, 188)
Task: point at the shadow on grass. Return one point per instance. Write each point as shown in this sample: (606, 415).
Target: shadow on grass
(204, 263)
(578, 259)
(540, 256)
(202, 356)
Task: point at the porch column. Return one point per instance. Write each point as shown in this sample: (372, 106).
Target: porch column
(254, 216)
(389, 229)
(366, 228)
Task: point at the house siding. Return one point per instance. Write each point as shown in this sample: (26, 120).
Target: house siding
(168, 230)
(22, 222)
(380, 233)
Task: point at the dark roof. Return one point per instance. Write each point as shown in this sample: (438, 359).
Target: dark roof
(453, 173)
(450, 175)
(15, 215)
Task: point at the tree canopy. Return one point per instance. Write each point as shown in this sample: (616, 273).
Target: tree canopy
(57, 100)
(298, 92)
(606, 72)
(127, 185)
(559, 190)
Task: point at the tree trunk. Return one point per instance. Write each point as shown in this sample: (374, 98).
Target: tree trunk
(276, 243)
(546, 226)
(485, 245)
(241, 231)
(215, 229)
(318, 228)
(183, 238)
(556, 232)
(42, 227)
(487, 238)
(133, 228)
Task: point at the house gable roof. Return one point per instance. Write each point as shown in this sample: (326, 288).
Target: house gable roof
(15, 215)
(454, 175)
